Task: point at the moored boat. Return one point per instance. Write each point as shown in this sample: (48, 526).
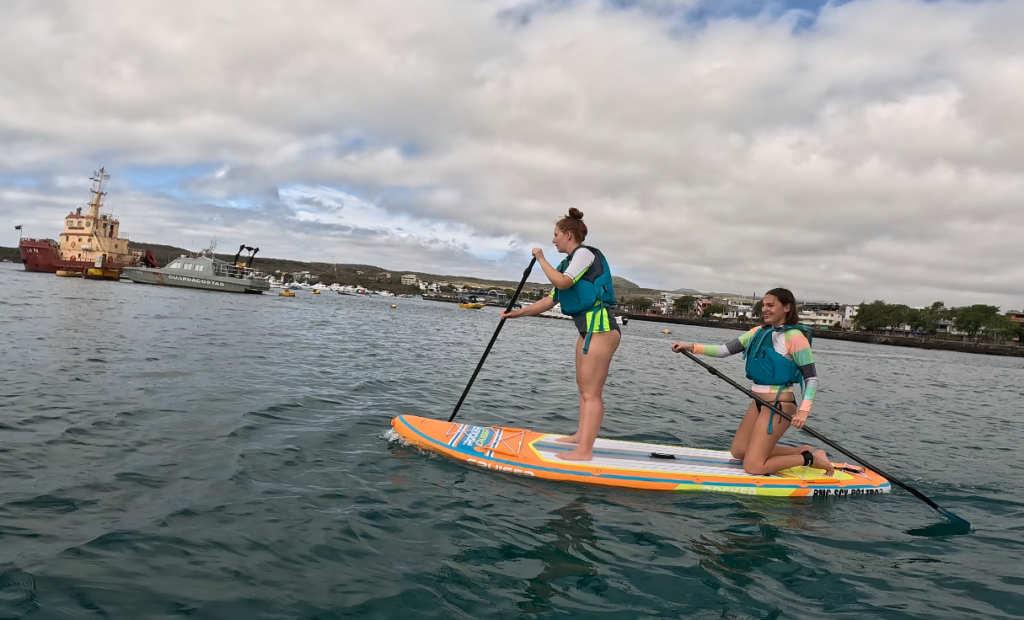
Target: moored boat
(92, 245)
(205, 271)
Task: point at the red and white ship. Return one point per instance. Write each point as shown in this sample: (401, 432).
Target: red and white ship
(92, 245)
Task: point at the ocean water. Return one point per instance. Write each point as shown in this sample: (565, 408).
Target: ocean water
(170, 453)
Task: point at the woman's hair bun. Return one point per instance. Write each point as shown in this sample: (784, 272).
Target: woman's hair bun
(573, 223)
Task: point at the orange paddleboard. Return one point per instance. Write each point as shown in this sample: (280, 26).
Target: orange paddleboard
(626, 463)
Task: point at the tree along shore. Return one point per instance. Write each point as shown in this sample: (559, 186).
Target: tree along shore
(915, 342)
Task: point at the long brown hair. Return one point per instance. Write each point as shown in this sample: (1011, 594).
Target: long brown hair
(786, 298)
(573, 224)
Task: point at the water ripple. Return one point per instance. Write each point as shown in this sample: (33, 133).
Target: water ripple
(181, 453)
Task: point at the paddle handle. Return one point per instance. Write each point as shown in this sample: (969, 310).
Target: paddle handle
(487, 351)
(827, 441)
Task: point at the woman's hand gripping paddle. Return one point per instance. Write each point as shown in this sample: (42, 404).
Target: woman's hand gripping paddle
(960, 526)
(511, 304)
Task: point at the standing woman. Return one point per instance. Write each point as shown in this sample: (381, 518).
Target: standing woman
(583, 287)
(778, 355)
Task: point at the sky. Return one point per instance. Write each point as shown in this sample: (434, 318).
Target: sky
(851, 151)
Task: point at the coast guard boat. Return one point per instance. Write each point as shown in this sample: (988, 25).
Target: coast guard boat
(205, 271)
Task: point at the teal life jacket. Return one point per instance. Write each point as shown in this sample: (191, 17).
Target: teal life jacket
(766, 366)
(592, 291)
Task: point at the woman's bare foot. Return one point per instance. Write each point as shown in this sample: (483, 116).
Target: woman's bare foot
(574, 438)
(576, 455)
(821, 461)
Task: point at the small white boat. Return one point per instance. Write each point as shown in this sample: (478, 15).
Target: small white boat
(355, 291)
(555, 313)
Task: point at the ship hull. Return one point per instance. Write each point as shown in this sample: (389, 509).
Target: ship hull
(141, 275)
(40, 255)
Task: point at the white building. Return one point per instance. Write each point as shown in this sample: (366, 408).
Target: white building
(409, 279)
(826, 315)
(304, 277)
(849, 316)
(668, 300)
(736, 311)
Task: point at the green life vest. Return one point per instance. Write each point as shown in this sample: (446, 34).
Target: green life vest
(766, 366)
(593, 291)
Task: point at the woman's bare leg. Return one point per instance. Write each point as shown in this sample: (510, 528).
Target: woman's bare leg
(761, 457)
(592, 373)
(575, 437)
(742, 438)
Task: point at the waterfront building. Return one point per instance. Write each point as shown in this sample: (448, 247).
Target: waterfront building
(826, 315)
(739, 311)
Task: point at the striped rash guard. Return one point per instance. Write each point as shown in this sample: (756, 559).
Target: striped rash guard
(791, 344)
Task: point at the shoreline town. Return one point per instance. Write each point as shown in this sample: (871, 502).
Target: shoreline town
(92, 246)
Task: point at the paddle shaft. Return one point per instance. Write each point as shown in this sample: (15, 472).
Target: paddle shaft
(501, 323)
(919, 495)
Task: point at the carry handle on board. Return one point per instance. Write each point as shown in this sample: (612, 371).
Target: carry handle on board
(962, 525)
(511, 304)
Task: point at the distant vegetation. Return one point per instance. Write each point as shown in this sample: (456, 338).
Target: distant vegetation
(975, 320)
(686, 305)
(634, 304)
(11, 254)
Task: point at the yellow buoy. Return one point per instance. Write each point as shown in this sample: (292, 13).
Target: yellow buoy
(287, 294)
(97, 273)
(63, 273)
(316, 291)
(393, 306)
(665, 331)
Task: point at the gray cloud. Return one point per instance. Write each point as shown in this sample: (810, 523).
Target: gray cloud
(873, 154)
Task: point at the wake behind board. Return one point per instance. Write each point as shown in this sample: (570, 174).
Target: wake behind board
(626, 463)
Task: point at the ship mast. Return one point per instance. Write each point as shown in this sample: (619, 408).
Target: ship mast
(97, 179)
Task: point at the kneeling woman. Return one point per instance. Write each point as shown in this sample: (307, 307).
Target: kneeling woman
(778, 354)
(583, 287)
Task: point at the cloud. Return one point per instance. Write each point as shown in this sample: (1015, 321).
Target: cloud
(861, 150)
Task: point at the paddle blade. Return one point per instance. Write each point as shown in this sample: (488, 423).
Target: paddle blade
(954, 526)
(959, 522)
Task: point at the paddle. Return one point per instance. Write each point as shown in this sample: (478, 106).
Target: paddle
(511, 304)
(962, 524)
